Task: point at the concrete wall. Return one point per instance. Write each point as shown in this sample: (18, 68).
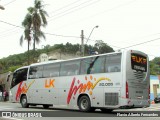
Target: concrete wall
(63, 56)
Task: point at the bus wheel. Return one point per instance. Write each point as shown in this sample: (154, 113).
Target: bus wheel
(84, 104)
(24, 102)
(45, 106)
(106, 110)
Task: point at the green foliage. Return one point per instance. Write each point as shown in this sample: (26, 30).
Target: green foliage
(32, 23)
(155, 66)
(102, 47)
(12, 62)
(13, 68)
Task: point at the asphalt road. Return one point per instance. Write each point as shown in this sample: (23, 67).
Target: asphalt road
(65, 114)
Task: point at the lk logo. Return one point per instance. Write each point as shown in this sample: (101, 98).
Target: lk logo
(49, 83)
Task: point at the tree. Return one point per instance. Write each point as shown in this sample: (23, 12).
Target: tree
(35, 18)
(27, 31)
(38, 15)
(102, 47)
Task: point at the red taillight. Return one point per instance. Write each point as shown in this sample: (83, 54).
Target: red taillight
(127, 91)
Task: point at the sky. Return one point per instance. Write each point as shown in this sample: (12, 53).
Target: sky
(129, 24)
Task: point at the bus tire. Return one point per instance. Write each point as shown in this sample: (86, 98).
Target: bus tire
(24, 102)
(84, 104)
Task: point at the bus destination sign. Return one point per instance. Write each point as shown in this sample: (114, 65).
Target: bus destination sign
(138, 62)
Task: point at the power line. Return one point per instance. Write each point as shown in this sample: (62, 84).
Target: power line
(44, 33)
(9, 34)
(133, 45)
(59, 15)
(10, 24)
(97, 14)
(70, 8)
(85, 38)
(62, 35)
(64, 6)
(14, 31)
(9, 2)
(141, 43)
(6, 31)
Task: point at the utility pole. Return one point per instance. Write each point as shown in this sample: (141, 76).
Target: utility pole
(82, 42)
(82, 38)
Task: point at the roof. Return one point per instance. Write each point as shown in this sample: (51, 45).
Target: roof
(21, 68)
(46, 62)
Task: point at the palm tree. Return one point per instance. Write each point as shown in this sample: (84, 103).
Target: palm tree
(38, 15)
(27, 32)
(35, 18)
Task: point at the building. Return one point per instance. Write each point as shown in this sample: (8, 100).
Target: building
(154, 86)
(5, 81)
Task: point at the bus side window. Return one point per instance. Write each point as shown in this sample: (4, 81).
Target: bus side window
(70, 68)
(32, 72)
(113, 63)
(51, 70)
(35, 72)
(93, 65)
(98, 66)
(73, 69)
(85, 63)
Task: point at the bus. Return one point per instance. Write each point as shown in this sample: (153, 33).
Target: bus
(105, 81)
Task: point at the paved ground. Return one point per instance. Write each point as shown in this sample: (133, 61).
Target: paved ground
(5, 106)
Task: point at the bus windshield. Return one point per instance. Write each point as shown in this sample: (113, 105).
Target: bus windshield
(19, 76)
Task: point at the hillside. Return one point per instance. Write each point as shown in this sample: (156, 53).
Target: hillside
(155, 66)
(15, 61)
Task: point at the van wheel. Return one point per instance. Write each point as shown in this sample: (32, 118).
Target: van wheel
(84, 104)
(24, 103)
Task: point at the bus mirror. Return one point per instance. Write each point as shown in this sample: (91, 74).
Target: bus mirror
(8, 78)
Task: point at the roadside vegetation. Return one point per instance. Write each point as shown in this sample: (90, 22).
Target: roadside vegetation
(15, 61)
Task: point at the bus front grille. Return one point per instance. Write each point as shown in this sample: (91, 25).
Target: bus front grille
(111, 98)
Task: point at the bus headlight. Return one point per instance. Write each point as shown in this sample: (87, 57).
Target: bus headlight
(10, 93)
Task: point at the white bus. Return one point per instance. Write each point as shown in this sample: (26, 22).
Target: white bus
(106, 81)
